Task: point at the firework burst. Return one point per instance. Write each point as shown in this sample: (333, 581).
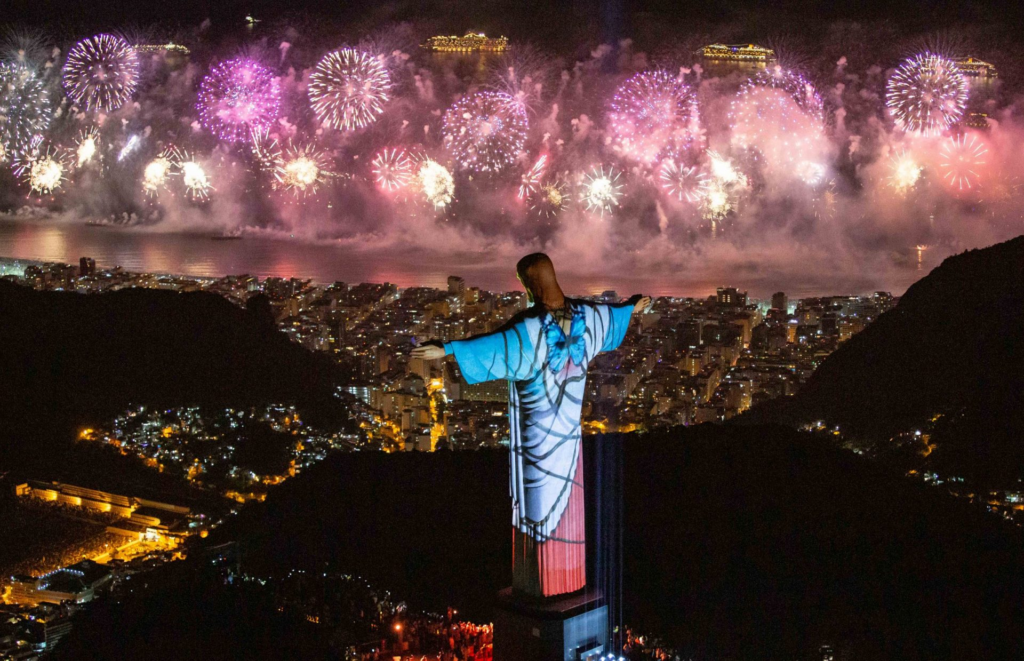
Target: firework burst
(239, 98)
(963, 158)
(793, 84)
(392, 169)
(927, 94)
(46, 173)
(531, 178)
(101, 72)
(348, 89)
(88, 145)
(436, 182)
(810, 172)
(723, 170)
(193, 175)
(682, 182)
(723, 188)
(778, 115)
(904, 171)
(485, 131)
(154, 176)
(130, 147)
(24, 109)
(265, 149)
(522, 72)
(652, 114)
(550, 199)
(301, 169)
(601, 189)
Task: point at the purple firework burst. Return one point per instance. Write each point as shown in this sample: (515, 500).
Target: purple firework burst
(238, 97)
(652, 114)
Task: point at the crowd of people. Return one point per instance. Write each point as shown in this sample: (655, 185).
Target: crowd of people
(47, 536)
(423, 639)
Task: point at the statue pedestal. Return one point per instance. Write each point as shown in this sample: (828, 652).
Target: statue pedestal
(569, 628)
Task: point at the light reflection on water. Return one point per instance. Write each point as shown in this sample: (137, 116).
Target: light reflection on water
(199, 255)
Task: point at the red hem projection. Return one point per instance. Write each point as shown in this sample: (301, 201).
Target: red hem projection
(561, 566)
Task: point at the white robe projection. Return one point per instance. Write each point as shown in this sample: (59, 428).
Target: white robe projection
(548, 371)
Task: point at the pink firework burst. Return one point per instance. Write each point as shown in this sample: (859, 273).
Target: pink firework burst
(795, 85)
(963, 160)
(238, 98)
(683, 182)
(532, 177)
(392, 169)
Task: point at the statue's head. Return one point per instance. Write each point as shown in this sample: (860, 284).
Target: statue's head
(537, 273)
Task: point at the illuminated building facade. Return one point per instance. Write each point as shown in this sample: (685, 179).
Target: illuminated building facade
(976, 68)
(470, 43)
(977, 120)
(162, 48)
(737, 53)
(67, 494)
(146, 519)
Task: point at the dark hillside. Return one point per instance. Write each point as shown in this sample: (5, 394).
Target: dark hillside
(949, 359)
(737, 542)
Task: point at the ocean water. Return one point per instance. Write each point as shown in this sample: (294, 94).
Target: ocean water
(39, 239)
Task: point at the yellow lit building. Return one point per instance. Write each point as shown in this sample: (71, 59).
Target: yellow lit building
(737, 53)
(976, 68)
(160, 48)
(67, 494)
(143, 515)
(977, 120)
(470, 43)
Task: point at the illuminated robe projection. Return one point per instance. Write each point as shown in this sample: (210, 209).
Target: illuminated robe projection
(547, 361)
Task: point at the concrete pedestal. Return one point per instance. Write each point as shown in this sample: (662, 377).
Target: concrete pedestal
(570, 628)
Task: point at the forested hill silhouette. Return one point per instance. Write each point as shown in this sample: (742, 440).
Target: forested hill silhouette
(69, 359)
(736, 543)
(953, 347)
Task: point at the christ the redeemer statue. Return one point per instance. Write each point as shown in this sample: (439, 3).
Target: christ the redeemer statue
(545, 352)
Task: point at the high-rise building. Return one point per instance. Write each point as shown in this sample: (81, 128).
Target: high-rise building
(456, 285)
(383, 359)
(779, 301)
(86, 266)
(732, 297)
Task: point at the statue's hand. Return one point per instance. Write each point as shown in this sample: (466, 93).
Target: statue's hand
(431, 350)
(640, 303)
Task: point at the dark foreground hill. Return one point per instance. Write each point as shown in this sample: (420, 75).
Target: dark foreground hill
(67, 357)
(949, 360)
(69, 361)
(736, 543)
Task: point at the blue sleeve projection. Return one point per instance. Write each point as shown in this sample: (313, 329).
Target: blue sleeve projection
(504, 354)
(610, 325)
